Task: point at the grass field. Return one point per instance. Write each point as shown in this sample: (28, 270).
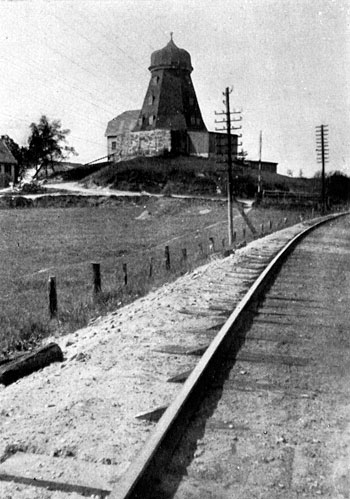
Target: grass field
(38, 243)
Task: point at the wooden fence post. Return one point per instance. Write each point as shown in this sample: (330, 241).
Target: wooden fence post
(52, 297)
(262, 229)
(234, 237)
(200, 246)
(184, 255)
(151, 267)
(167, 258)
(243, 231)
(211, 245)
(270, 224)
(223, 242)
(125, 271)
(96, 271)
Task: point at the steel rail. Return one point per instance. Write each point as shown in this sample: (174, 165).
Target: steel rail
(138, 481)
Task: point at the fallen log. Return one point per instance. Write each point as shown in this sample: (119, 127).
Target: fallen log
(29, 363)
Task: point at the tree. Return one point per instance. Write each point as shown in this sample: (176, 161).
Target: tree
(47, 144)
(290, 172)
(301, 173)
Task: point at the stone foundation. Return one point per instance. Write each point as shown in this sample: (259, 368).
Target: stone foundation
(144, 143)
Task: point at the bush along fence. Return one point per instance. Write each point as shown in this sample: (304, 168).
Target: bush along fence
(147, 271)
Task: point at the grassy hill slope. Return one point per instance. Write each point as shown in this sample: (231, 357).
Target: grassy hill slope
(186, 175)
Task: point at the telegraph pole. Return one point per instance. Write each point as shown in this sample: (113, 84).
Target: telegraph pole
(259, 173)
(322, 157)
(228, 128)
(229, 168)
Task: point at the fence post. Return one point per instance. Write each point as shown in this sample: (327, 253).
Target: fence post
(96, 271)
(234, 237)
(151, 267)
(200, 245)
(223, 242)
(184, 255)
(125, 271)
(270, 224)
(167, 258)
(211, 245)
(285, 220)
(52, 297)
(243, 231)
(262, 229)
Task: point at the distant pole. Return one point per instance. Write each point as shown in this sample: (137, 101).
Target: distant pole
(259, 173)
(322, 157)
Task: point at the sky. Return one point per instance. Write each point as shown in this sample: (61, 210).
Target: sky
(83, 62)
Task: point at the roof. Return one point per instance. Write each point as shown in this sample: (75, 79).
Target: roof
(5, 154)
(123, 123)
(263, 162)
(171, 56)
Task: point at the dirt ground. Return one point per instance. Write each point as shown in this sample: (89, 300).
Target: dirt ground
(75, 421)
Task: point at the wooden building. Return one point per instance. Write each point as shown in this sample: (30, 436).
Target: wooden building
(8, 165)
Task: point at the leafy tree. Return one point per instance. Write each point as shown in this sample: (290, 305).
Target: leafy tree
(338, 186)
(290, 172)
(47, 143)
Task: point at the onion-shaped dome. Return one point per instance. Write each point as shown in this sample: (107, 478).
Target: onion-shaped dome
(171, 56)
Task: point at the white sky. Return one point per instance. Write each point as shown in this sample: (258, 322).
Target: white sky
(84, 62)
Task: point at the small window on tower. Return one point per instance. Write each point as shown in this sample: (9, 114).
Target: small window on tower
(114, 145)
(193, 120)
(150, 120)
(150, 99)
(198, 121)
(156, 79)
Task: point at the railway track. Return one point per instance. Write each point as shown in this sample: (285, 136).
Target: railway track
(190, 401)
(255, 415)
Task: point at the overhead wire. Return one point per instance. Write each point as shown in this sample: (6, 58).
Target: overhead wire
(81, 66)
(109, 41)
(90, 102)
(82, 35)
(30, 63)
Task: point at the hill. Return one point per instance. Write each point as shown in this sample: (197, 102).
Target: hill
(183, 175)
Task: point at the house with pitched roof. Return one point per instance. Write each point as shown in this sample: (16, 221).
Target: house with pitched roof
(8, 165)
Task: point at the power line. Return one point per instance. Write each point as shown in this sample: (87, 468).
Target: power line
(61, 54)
(84, 68)
(109, 41)
(49, 86)
(76, 32)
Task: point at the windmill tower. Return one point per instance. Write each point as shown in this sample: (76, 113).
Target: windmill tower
(170, 101)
